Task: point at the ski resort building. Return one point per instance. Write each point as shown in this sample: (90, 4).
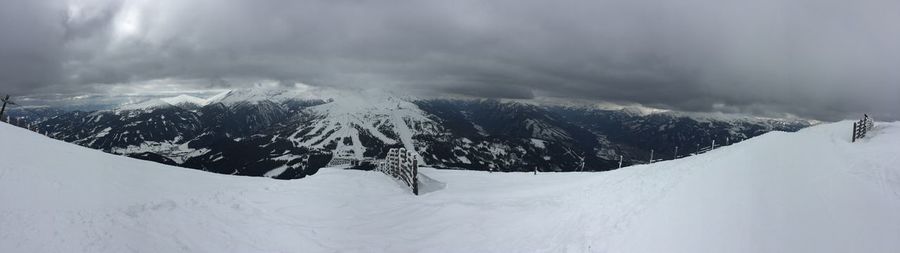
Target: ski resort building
(349, 161)
(342, 161)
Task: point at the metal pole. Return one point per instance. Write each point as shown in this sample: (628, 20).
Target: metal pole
(676, 153)
(651, 156)
(3, 109)
(582, 162)
(620, 161)
(5, 101)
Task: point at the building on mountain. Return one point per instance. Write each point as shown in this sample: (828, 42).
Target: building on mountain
(340, 161)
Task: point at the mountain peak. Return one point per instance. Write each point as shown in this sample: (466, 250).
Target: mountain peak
(145, 105)
(185, 99)
(273, 94)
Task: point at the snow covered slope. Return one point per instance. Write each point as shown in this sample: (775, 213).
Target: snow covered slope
(186, 99)
(810, 191)
(375, 116)
(183, 100)
(256, 95)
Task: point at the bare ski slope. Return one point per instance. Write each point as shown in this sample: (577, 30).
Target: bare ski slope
(810, 191)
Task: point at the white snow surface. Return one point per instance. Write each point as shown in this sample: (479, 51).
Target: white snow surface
(258, 94)
(171, 101)
(217, 97)
(229, 97)
(185, 99)
(810, 191)
(144, 105)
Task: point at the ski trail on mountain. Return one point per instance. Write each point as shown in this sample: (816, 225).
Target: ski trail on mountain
(811, 191)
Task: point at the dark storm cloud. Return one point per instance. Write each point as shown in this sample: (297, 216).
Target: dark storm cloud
(822, 59)
(30, 44)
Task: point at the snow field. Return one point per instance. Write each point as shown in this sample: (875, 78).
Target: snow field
(810, 191)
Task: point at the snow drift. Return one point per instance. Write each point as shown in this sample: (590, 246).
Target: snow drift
(810, 191)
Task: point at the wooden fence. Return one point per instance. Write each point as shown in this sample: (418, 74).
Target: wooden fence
(861, 127)
(402, 165)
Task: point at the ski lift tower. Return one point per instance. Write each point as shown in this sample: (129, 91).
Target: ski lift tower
(5, 102)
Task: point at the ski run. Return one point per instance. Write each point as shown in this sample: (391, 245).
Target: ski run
(810, 191)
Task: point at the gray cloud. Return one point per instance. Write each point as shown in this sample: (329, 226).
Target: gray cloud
(821, 59)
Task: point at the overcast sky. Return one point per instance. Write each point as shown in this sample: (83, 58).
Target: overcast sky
(820, 58)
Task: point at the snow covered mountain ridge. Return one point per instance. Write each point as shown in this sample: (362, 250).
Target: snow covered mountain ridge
(180, 100)
(290, 133)
(809, 191)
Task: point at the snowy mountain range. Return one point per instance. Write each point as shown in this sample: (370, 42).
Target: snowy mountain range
(810, 191)
(291, 133)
